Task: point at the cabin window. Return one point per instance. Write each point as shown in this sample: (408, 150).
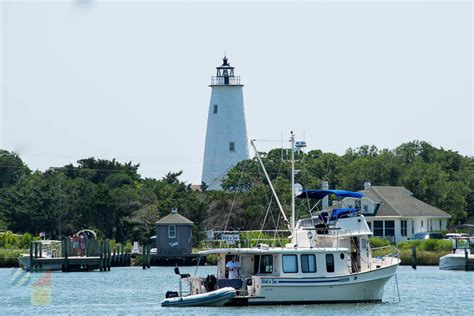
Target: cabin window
(263, 264)
(389, 228)
(330, 263)
(231, 146)
(308, 263)
(290, 263)
(172, 231)
(378, 228)
(215, 108)
(370, 225)
(366, 208)
(440, 224)
(403, 228)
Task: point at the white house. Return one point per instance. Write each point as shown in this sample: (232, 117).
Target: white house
(394, 213)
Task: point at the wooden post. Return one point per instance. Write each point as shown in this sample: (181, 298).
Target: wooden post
(120, 255)
(413, 257)
(144, 257)
(109, 254)
(101, 257)
(466, 268)
(66, 250)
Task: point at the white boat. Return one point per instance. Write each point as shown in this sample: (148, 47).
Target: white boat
(462, 257)
(49, 249)
(214, 298)
(328, 259)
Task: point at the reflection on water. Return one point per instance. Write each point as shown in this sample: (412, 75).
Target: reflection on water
(137, 291)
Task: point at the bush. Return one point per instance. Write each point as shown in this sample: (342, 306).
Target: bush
(376, 242)
(436, 245)
(9, 240)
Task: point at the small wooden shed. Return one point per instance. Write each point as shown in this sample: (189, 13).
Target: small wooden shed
(174, 235)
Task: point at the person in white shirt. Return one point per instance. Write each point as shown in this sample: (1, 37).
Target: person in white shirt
(233, 266)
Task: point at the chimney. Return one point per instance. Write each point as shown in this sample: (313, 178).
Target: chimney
(366, 185)
(325, 201)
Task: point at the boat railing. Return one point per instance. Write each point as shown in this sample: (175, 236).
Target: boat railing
(386, 252)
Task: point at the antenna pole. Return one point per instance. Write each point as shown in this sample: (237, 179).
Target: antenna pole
(271, 186)
(293, 216)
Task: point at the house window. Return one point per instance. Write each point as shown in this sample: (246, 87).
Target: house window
(403, 228)
(366, 208)
(308, 263)
(330, 263)
(378, 228)
(231, 146)
(389, 228)
(412, 227)
(215, 108)
(172, 231)
(421, 224)
(290, 263)
(440, 222)
(263, 264)
(370, 225)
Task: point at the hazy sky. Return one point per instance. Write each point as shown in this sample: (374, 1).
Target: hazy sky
(129, 79)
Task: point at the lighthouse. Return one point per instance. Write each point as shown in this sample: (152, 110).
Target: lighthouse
(226, 136)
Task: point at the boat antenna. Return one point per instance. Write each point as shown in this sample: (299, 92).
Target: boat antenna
(285, 219)
(293, 216)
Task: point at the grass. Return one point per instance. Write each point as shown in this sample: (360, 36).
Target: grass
(9, 257)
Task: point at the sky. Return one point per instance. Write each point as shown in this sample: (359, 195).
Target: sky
(130, 79)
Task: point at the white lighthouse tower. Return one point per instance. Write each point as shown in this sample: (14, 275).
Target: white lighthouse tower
(226, 136)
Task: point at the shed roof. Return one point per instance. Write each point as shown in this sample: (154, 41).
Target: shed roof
(398, 201)
(174, 218)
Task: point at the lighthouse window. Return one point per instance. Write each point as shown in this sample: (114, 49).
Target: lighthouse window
(215, 108)
(330, 263)
(231, 146)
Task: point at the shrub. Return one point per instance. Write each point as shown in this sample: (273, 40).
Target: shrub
(376, 242)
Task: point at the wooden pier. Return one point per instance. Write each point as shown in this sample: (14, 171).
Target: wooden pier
(98, 256)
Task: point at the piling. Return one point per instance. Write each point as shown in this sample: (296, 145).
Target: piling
(66, 258)
(101, 257)
(466, 257)
(413, 257)
(144, 257)
(148, 257)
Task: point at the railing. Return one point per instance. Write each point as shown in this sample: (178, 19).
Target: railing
(380, 252)
(225, 81)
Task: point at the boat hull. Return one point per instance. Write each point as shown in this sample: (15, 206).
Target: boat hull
(456, 262)
(215, 298)
(25, 264)
(361, 287)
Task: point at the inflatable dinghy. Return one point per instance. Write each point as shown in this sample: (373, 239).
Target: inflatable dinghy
(215, 298)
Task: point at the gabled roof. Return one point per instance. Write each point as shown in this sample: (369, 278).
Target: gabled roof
(174, 218)
(398, 201)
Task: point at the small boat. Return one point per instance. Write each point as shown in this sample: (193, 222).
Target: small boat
(462, 257)
(214, 298)
(49, 249)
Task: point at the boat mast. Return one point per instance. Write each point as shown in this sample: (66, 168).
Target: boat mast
(293, 216)
(285, 219)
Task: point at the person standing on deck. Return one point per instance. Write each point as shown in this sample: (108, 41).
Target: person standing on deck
(233, 266)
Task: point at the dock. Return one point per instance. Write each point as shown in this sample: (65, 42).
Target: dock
(98, 256)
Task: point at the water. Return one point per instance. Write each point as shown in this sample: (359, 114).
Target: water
(132, 290)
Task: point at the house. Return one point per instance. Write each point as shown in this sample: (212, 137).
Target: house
(174, 235)
(394, 213)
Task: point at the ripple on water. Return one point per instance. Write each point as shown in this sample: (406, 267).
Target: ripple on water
(426, 290)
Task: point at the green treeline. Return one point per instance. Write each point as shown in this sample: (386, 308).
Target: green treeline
(111, 198)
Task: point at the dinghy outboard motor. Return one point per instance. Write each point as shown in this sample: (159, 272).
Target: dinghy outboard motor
(183, 276)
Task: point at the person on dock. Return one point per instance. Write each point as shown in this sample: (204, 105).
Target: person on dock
(75, 245)
(82, 245)
(233, 266)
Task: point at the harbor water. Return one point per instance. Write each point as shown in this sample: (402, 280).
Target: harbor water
(133, 290)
